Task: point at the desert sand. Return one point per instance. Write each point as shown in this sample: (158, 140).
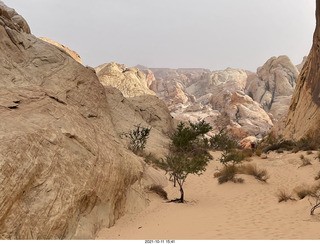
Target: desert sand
(229, 211)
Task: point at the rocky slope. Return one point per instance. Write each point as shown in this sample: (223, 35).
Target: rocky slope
(65, 172)
(304, 113)
(72, 53)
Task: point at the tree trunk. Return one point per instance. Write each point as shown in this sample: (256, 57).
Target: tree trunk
(182, 194)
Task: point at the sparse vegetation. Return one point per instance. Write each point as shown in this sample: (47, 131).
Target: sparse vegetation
(258, 152)
(305, 161)
(317, 176)
(138, 138)
(251, 169)
(222, 141)
(186, 156)
(302, 191)
(150, 158)
(159, 190)
(272, 143)
(284, 196)
(309, 152)
(228, 174)
(313, 192)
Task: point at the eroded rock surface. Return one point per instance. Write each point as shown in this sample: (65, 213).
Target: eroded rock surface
(304, 113)
(130, 81)
(64, 170)
(72, 53)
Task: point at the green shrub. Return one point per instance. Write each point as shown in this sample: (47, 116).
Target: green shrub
(222, 141)
(138, 138)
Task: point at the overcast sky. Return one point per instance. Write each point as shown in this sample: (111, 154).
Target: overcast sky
(213, 34)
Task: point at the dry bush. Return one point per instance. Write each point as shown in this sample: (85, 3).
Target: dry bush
(251, 169)
(246, 153)
(313, 192)
(228, 174)
(305, 161)
(258, 152)
(159, 190)
(309, 152)
(284, 196)
(303, 191)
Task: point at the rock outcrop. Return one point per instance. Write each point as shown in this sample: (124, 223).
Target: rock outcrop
(130, 81)
(64, 170)
(217, 97)
(273, 83)
(72, 53)
(246, 103)
(304, 113)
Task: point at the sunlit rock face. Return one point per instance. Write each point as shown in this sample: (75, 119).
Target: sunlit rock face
(304, 113)
(130, 81)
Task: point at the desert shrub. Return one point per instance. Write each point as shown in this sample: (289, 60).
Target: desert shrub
(150, 158)
(305, 161)
(228, 174)
(223, 141)
(159, 190)
(246, 153)
(315, 195)
(307, 143)
(284, 196)
(302, 191)
(283, 145)
(138, 138)
(251, 169)
(258, 152)
(233, 157)
(309, 152)
(313, 192)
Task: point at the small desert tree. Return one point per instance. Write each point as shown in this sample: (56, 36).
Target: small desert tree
(186, 155)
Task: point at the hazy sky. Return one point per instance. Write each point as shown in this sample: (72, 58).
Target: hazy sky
(213, 34)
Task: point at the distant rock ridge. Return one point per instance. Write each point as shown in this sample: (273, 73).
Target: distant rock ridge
(245, 102)
(304, 114)
(130, 81)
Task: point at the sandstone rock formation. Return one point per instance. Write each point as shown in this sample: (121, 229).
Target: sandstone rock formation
(217, 97)
(72, 53)
(245, 102)
(64, 170)
(274, 82)
(304, 113)
(130, 81)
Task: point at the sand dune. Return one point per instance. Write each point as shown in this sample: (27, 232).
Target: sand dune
(229, 211)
